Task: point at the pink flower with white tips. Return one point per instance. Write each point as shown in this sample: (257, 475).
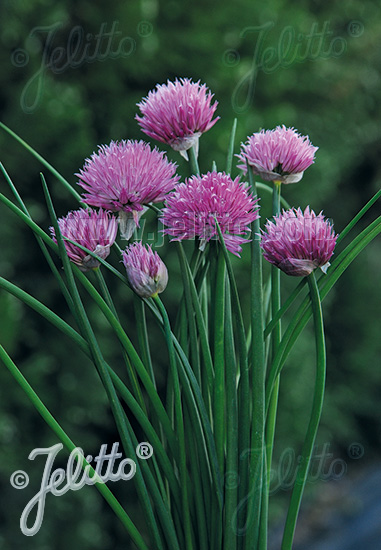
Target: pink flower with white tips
(298, 242)
(178, 113)
(277, 155)
(124, 177)
(96, 231)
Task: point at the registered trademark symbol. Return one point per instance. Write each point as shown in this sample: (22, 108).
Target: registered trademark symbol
(355, 29)
(145, 28)
(144, 450)
(355, 451)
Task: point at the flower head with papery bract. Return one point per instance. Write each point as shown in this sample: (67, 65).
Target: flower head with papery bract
(125, 176)
(177, 113)
(191, 209)
(96, 231)
(146, 271)
(298, 242)
(278, 155)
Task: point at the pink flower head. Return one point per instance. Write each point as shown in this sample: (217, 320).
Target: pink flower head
(96, 231)
(124, 177)
(191, 209)
(177, 113)
(278, 155)
(146, 272)
(298, 242)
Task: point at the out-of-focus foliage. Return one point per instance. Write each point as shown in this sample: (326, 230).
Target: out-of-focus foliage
(250, 54)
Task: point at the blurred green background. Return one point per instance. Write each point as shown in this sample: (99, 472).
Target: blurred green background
(312, 65)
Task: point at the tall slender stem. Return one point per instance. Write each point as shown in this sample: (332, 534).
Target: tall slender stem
(276, 336)
(230, 527)
(313, 425)
(257, 352)
(218, 404)
(219, 361)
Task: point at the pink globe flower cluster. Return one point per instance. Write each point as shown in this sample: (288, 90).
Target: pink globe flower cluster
(299, 242)
(178, 113)
(277, 155)
(191, 210)
(125, 177)
(93, 230)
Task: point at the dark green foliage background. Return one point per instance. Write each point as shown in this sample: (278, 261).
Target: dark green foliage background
(335, 98)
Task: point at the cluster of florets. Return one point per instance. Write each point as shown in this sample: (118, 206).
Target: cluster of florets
(127, 177)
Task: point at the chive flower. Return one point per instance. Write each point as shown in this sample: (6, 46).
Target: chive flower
(177, 113)
(125, 177)
(277, 155)
(298, 242)
(146, 272)
(94, 230)
(191, 210)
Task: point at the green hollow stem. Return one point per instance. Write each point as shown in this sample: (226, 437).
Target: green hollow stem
(317, 406)
(144, 346)
(193, 342)
(269, 190)
(193, 160)
(263, 535)
(229, 158)
(219, 362)
(292, 297)
(231, 475)
(257, 353)
(276, 336)
(179, 422)
(105, 291)
(219, 396)
(68, 443)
